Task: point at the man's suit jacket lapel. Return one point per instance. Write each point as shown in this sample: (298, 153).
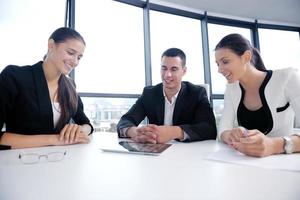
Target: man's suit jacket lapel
(179, 103)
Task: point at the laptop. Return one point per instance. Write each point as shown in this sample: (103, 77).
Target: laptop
(136, 148)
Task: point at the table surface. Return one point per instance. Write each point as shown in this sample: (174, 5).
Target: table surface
(181, 172)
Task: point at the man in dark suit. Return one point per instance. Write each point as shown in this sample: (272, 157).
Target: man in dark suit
(175, 109)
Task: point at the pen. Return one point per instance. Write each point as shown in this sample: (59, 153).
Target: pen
(245, 132)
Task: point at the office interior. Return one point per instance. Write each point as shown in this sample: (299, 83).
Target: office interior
(125, 39)
(124, 42)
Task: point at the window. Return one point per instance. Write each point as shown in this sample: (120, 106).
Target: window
(215, 34)
(168, 31)
(279, 49)
(113, 61)
(105, 113)
(218, 110)
(25, 27)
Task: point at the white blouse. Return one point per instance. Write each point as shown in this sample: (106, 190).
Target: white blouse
(56, 113)
(282, 88)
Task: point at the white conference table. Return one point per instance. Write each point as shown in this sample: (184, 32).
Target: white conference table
(181, 172)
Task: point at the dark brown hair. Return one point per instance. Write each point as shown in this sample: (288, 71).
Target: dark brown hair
(175, 52)
(66, 92)
(238, 45)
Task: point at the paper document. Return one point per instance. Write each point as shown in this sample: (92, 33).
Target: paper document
(290, 162)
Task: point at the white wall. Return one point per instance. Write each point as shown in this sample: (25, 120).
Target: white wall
(281, 12)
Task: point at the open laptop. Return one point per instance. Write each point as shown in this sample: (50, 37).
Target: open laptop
(136, 148)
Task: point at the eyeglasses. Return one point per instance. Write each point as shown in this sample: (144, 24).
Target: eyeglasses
(32, 158)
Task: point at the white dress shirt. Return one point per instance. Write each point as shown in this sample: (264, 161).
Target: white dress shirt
(168, 116)
(169, 110)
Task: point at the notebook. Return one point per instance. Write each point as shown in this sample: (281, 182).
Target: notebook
(136, 148)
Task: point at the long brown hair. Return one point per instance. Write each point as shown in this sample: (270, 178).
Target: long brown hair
(66, 92)
(238, 45)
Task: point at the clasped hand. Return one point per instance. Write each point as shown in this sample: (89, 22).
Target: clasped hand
(254, 143)
(151, 134)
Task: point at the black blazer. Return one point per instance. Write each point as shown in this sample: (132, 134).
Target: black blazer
(25, 105)
(192, 111)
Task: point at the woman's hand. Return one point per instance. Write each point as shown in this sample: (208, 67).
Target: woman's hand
(72, 134)
(258, 145)
(233, 135)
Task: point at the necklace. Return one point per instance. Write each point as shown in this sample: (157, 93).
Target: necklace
(56, 106)
(53, 95)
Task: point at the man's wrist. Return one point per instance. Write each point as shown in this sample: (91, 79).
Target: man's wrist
(130, 131)
(180, 134)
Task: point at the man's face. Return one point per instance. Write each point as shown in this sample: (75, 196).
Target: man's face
(172, 72)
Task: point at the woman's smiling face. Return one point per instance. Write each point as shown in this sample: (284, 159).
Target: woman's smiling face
(230, 65)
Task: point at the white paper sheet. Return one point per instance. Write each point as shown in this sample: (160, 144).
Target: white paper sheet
(290, 162)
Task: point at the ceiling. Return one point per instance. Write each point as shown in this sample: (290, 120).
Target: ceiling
(281, 12)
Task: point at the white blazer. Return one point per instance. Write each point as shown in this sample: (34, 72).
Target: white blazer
(281, 96)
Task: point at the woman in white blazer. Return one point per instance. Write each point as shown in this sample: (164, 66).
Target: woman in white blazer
(259, 104)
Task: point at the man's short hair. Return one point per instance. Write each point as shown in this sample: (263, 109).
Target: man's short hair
(174, 52)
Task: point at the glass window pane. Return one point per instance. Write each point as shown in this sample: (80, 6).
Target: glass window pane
(25, 29)
(218, 109)
(215, 34)
(105, 113)
(113, 61)
(168, 31)
(279, 49)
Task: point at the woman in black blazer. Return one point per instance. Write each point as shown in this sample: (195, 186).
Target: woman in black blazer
(39, 104)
